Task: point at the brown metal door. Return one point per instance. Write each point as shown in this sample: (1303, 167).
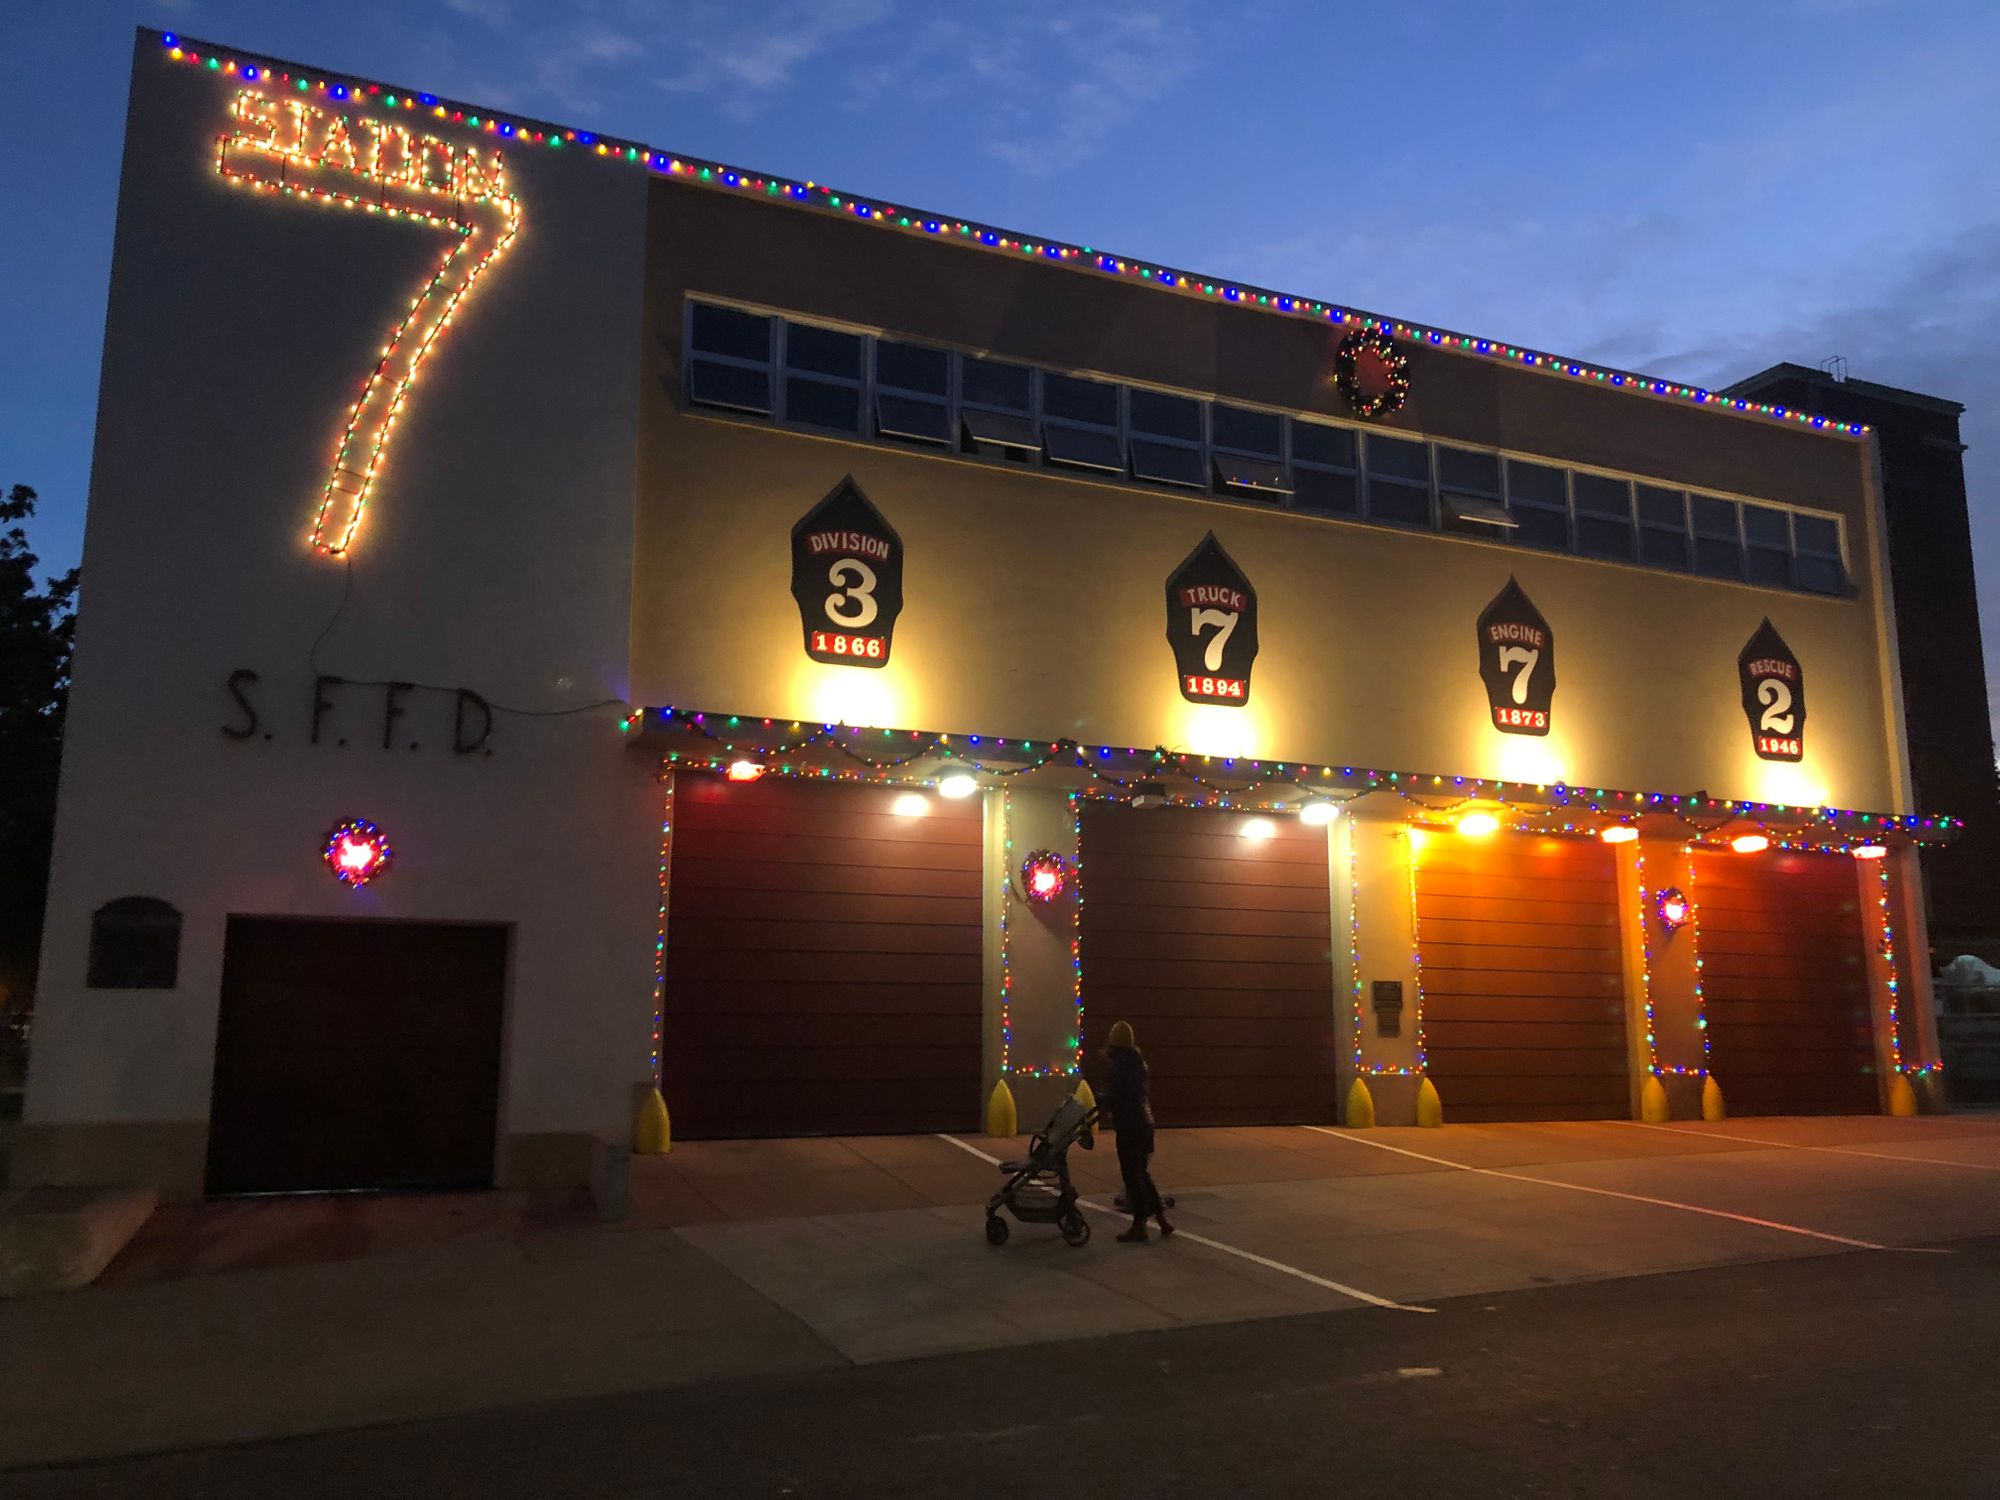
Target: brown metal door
(823, 961)
(1785, 980)
(1218, 949)
(1524, 989)
(356, 1054)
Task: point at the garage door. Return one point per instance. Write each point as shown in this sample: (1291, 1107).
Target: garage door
(823, 961)
(1217, 949)
(1524, 988)
(1785, 981)
(356, 1055)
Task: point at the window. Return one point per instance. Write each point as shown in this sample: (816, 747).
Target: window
(729, 359)
(997, 402)
(1718, 548)
(823, 377)
(135, 944)
(1166, 439)
(1249, 452)
(1538, 500)
(1663, 541)
(1818, 554)
(1603, 516)
(1323, 471)
(1399, 481)
(1767, 553)
(1080, 424)
(1469, 493)
(912, 393)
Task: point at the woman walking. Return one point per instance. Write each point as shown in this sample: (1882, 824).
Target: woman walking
(1132, 1119)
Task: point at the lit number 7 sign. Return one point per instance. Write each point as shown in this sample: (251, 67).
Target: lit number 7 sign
(1212, 626)
(363, 164)
(1517, 662)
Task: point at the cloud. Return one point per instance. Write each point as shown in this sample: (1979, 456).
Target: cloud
(744, 56)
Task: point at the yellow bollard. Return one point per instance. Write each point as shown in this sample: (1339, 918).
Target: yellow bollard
(1902, 1098)
(1360, 1106)
(1001, 1116)
(652, 1131)
(1712, 1107)
(1430, 1108)
(1653, 1107)
(1082, 1094)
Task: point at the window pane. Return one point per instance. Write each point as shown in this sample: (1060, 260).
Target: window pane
(991, 383)
(1167, 463)
(730, 386)
(1763, 527)
(1264, 476)
(911, 367)
(1314, 443)
(724, 330)
(1540, 526)
(1396, 459)
(999, 429)
(1316, 489)
(1166, 416)
(1817, 535)
(1536, 484)
(1080, 400)
(1084, 447)
(1663, 549)
(1475, 473)
(901, 416)
(818, 404)
(1717, 557)
(825, 351)
(1599, 536)
(1247, 431)
(1658, 507)
(1713, 518)
(1770, 565)
(1397, 503)
(1822, 575)
(1598, 496)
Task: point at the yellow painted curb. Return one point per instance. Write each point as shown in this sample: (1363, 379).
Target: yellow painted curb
(1360, 1106)
(1902, 1098)
(1430, 1108)
(1653, 1107)
(1082, 1094)
(652, 1131)
(1001, 1117)
(1713, 1108)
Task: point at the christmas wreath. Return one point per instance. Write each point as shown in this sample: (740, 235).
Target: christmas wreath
(1395, 368)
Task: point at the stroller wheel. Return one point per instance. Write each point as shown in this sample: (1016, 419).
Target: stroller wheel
(996, 1230)
(1075, 1229)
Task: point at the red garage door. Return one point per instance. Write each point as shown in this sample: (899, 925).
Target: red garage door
(823, 961)
(1524, 988)
(1218, 950)
(1785, 980)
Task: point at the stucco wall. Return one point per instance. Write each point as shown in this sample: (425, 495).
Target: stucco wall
(495, 557)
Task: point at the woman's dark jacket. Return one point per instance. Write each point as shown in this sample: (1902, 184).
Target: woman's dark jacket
(1125, 1094)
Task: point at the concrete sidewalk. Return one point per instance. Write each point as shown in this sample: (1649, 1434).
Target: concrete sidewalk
(237, 1321)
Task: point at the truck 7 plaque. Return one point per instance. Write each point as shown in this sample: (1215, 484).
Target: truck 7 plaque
(1212, 626)
(1517, 662)
(847, 576)
(1774, 695)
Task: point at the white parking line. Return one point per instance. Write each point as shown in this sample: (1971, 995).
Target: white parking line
(1751, 1140)
(1576, 1187)
(1260, 1260)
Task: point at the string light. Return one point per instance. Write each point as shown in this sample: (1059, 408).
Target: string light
(1395, 365)
(393, 160)
(1083, 258)
(660, 930)
(1659, 905)
(1074, 1066)
(1700, 964)
(356, 851)
(1894, 979)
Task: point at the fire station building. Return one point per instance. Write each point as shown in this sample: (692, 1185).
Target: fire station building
(566, 619)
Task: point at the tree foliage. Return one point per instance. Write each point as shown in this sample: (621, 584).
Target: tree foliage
(37, 628)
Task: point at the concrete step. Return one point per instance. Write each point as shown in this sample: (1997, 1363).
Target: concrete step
(54, 1239)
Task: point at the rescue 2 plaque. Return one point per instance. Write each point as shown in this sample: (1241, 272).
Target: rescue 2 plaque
(1212, 626)
(1517, 662)
(847, 576)
(1774, 695)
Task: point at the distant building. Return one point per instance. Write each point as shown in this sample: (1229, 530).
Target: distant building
(1937, 628)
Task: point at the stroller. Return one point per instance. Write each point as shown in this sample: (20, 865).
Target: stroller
(1038, 1190)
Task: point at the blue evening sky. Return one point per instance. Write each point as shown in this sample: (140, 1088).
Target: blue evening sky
(1693, 189)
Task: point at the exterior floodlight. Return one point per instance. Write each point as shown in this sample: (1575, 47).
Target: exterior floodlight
(1478, 825)
(744, 770)
(1258, 829)
(957, 785)
(1750, 843)
(1871, 851)
(910, 805)
(1318, 813)
(1619, 833)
